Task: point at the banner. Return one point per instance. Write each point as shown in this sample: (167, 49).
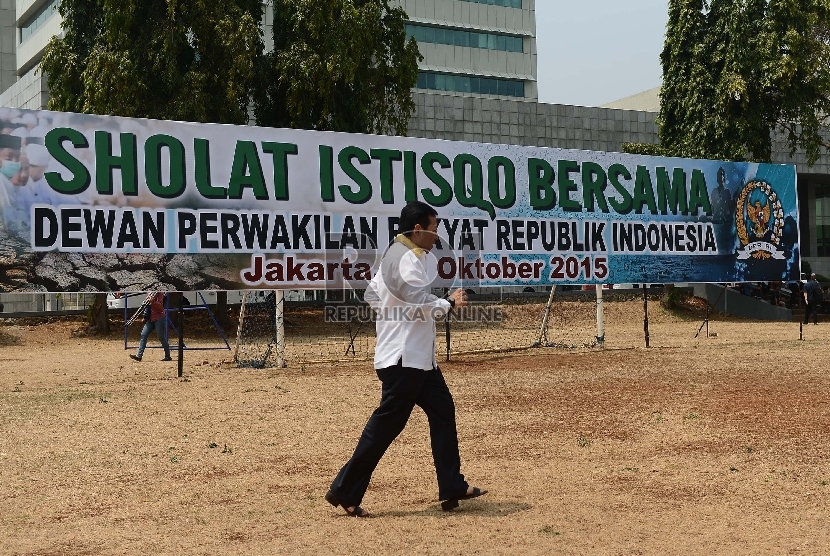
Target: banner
(97, 203)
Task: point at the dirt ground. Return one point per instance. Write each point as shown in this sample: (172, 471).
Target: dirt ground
(695, 446)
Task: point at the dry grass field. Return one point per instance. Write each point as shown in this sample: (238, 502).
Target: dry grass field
(695, 446)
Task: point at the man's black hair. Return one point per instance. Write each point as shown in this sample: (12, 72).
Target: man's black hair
(415, 212)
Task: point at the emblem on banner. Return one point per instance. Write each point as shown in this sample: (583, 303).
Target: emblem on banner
(759, 219)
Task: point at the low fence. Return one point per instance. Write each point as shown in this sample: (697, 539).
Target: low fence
(329, 331)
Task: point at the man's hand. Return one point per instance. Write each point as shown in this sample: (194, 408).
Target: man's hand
(460, 297)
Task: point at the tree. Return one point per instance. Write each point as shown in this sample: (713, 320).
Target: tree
(735, 71)
(189, 60)
(338, 65)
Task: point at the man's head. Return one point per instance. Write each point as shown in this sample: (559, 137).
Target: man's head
(38, 160)
(22, 176)
(419, 222)
(813, 276)
(9, 155)
(29, 120)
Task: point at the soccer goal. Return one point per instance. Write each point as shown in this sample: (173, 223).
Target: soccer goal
(260, 337)
(573, 320)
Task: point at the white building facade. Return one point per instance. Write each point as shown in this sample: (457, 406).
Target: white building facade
(483, 48)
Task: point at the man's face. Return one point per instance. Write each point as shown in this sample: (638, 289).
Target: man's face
(9, 154)
(36, 172)
(426, 238)
(22, 176)
(10, 166)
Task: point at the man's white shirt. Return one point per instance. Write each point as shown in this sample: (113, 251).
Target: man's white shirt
(406, 310)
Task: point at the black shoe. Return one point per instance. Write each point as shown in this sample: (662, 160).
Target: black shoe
(168, 358)
(356, 512)
(136, 357)
(452, 503)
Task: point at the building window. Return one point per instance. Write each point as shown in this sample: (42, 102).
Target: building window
(471, 39)
(470, 84)
(823, 219)
(28, 27)
(505, 3)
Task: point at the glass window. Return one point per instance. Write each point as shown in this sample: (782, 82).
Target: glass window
(37, 19)
(457, 37)
(470, 84)
(822, 208)
(505, 3)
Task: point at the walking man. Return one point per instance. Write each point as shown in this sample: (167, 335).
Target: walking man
(154, 317)
(406, 366)
(813, 297)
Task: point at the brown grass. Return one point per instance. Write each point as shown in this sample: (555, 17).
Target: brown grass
(696, 446)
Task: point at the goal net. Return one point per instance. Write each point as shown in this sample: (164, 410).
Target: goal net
(260, 338)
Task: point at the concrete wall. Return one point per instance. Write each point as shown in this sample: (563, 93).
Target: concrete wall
(732, 302)
(8, 42)
(19, 302)
(30, 91)
(522, 122)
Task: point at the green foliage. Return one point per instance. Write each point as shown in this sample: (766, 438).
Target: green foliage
(806, 268)
(734, 71)
(339, 65)
(644, 149)
(671, 297)
(187, 60)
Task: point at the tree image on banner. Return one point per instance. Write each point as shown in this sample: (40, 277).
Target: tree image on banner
(338, 66)
(736, 71)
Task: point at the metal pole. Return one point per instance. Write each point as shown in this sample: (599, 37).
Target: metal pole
(543, 330)
(447, 333)
(600, 318)
(239, 327)
(645, 314)
(801, 321)
(180, 318)
(279, 299)
(707, 320)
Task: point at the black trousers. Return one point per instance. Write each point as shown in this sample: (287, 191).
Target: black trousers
(403, 389)
(811, 308)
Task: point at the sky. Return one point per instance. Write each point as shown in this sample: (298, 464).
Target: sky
(591, 52)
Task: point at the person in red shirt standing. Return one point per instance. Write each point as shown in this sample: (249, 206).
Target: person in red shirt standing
(155, 316)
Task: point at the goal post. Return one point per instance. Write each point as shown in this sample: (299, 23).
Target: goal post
(572, 321)
(260, 337)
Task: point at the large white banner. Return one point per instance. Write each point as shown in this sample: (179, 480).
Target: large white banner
(113, 203)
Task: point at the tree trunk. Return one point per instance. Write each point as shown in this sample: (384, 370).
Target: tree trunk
(102, 321)
(221, 312)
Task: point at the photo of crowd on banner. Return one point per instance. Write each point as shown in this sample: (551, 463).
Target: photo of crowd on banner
(23, 163)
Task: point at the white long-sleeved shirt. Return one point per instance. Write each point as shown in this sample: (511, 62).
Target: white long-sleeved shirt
(406, 311)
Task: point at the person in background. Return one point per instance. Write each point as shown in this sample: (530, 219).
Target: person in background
(795, 287)
(13, 212)
(813, 298)
(155, 317)
(39, 191)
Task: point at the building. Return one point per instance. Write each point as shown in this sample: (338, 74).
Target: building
(484, 48)
(25, 30)
(477, 83)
